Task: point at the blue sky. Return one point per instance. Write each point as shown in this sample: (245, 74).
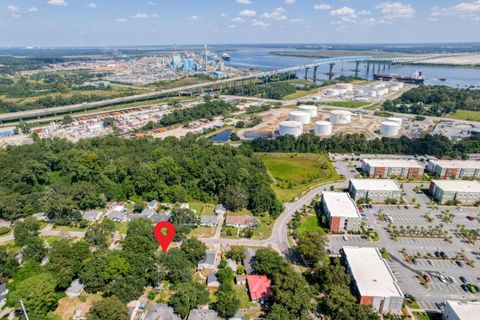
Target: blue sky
(164, 22)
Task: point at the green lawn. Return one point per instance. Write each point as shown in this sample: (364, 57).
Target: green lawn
(242, 295)
(346, 104)
(122, 227)
(310, 223)
(295, 173)
(300, 94)
(465, 115)
(264, 230)
(67, 228)
(202, 209)
(51, 240)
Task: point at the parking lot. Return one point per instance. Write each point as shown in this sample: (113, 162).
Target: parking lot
(406, 272)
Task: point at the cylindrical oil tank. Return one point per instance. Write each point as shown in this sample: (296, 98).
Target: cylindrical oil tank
(372, 93)
(310, 109)
(397, 120)
(381, 92)
(323, 128)
(332, 92)
(390, 129)
(299, 116)
(342, 91)
(293, 128)
(345, 86)
(378, 85)
(340, 116)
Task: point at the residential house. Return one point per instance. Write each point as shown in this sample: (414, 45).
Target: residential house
(41, 216)
(154, 204)
(148, 212)
(161, 312)
(212, 281)
(241, 280)
(209, 262)
(199, 314)
(92, 215)
(75, 289)
(117, 216)
(157, 218)
(232, 264)
(208, 221)
(240, 222)
(258, 287)
(249, 259)
(220, 209)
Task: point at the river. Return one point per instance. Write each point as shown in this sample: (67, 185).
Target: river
(258, 57)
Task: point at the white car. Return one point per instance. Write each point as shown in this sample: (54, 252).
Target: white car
(452, 279)
(442, 279)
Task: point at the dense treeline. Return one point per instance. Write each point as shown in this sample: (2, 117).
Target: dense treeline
(206, 110)
(275, 91)
(357, 143)
(59, 177)
(435, 101)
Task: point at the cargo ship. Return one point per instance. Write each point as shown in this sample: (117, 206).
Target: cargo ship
(418, 78)
(226, 56)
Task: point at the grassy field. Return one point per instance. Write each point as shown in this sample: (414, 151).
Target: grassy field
(295, 173)
(264, 230)
(202, 232)
(465, 115)
(309, 224)
(202, 209)
(346, 104)
(300, 94)
(242, 295)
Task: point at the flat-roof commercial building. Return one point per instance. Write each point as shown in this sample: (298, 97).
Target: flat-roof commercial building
(454, 169)
(462, 191)
(373, 281)
(386, 168)
(341, 211)
(376, 190)
(457, 310)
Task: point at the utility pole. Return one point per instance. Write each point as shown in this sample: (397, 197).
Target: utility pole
(24, 310)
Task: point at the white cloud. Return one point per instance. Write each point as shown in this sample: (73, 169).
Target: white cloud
(145, 16)
(14, 11)
(92, 5)
(238, 19)
(247, 13)
(243, 1)
(223, 15)
(194, 18)
(322, 6)
(276, 14)
(296, 21)
(464, 10)
(259, 24)
(396, 10)
(345, 15)
(58, 2)
(290, 1)
(231, 26)
(32, 9)
(364, 13)
(122, 20)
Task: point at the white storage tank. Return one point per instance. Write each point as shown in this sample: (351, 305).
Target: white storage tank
(310, 109)
(342, 91)
(381, 92)
(340, 116)
(345, 86)
(372, 93)
(332, 92)
(390, 129)
(323, 128)
(293, 128)
(378, 85)
(397, 120)
(299, 116)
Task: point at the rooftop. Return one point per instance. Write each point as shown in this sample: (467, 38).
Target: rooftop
(372, 275)
(209, 258)
(340, 204)
(161, 312)
(458, 185)
(208, 219)
(375, 184)
(465, 310)
(243, 220)
(198, 314)
(393, 163)
(258, 286)
(460, 164)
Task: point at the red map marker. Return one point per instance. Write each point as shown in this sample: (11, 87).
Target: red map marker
(164, 239)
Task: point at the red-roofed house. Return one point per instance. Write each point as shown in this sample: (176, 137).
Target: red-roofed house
(258, 286)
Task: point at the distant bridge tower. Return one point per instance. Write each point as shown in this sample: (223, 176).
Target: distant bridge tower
(205, 63)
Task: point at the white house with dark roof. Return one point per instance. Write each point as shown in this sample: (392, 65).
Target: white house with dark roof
(208, 221)
(209, 262)
(200, 314)
(92, 215)
(161, 312)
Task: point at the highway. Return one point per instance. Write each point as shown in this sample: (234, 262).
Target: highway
(150, 95)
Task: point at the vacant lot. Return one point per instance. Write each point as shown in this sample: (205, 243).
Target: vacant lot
(465, 115)
(295, 173)
(346, 104)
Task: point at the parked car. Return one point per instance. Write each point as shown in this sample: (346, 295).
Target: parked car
(442, 254)
(414, 261)
(472, 288)
(471, 218)
(405, 206)
(462, 278)
(442, 279)
(430, 262)
(437, 254)
(464, 287)
(459, 263)
(440, 305)
(452, 279)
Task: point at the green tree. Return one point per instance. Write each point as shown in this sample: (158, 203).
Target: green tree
(110, 308)
(234, 197)
(269, 262)
(236, 253)
(188, 295)
(194, 249)
(312, 246)
(34, 250)
(8, 264)
(227, 303)
(65, 261)
(38, 295)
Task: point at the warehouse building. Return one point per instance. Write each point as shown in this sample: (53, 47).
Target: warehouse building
(461, 191)
(375, 190)
(341, 211)
(387, 168)
(7, 132)
(457, 310)
(373, 280)
(454, 169)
